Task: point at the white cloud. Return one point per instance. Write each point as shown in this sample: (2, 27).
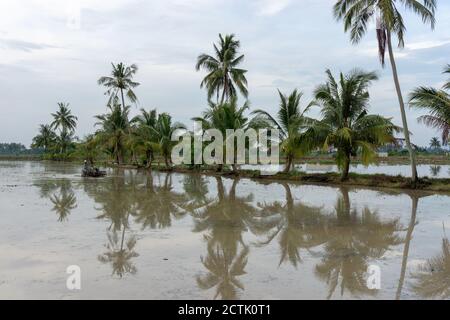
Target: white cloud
(271, 7)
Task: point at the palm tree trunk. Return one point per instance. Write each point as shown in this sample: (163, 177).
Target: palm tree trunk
(225, 88)
(345, 169)
(288, 164)
(166, 160)
(402, 109)
(123, 99)
(149, 155)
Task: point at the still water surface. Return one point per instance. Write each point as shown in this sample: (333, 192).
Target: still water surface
(173, 236)
(423, 170)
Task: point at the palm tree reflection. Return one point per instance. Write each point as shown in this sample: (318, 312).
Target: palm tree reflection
(117, 201)
(433, 278)
(120, 256)
(435, 170)
(295, 225)
(157, 205)
(61, 195)
(354, 239)
(225, 220)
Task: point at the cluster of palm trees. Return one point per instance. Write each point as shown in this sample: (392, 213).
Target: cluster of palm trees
(58, 137)
(346, 125)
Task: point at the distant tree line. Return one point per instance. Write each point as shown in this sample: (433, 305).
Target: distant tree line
(17, 149)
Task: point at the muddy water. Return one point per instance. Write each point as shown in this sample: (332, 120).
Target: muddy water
(159, 236)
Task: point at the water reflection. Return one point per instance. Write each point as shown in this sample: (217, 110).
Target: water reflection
(354, 238)
(433, 278)
(340, 242)
(156, 206)
(223, 222)
(61, 194)
(295, 225)
(116, 200)
(435, 170)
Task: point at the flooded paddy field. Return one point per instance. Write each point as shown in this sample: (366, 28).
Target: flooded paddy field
(140, 235)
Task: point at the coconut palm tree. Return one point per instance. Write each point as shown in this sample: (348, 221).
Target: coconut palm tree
(437, 103)
(88, 149)
(144, 133)
(115, 130)
(121, 80)
(64, 119)
(45, 139)
(435, 143)
(289, 121)
(162, 131)
(64, 141)
(223, 74)
(224, 116)
(356, 15)
(346, 124)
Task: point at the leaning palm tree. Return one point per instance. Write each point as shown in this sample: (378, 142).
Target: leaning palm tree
(64, 119)
(346, 124)
(437, 102)
(162, 131)
(223, 74)
(121, 80)
(357, 14)
(289, 121)
(115, 130)
(45, 139)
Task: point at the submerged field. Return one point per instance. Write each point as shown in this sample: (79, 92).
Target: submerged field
(188, 236)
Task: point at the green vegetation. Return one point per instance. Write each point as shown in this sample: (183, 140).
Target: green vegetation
(290, 120)
(346, 124)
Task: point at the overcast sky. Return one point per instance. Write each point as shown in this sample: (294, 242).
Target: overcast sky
(53, 50)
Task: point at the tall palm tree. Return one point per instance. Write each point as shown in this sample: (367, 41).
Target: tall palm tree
(223, 73)
(144, 133)
(121, 80)
(45, 139)
(346, 124)
(437, 102)
(357, 14)
(289, 121)
(115, 130)
(163, 131)
(64, 119)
